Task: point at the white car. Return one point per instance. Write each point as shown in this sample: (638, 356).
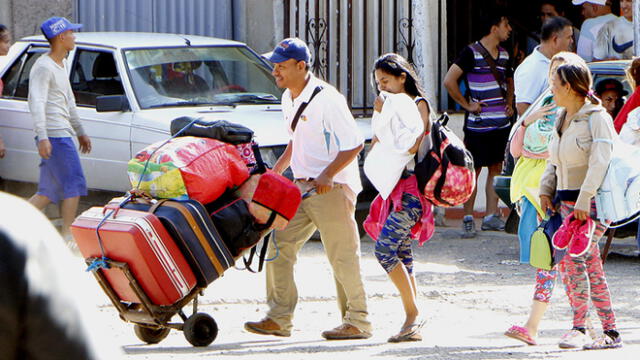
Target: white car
(128, 88)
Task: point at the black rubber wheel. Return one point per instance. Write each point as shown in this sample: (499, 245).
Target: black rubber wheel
(150, 335)
(200, 329)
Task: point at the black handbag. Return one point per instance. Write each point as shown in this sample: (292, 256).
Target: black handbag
(237, 227)
(222, 130)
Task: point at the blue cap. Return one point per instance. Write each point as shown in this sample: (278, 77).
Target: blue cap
(55, 26)
(290, 48)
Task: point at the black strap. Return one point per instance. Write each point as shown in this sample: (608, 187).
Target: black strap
(492, 64)
(263, 250)
(303, 106)
(260, 167)
(437, 190)
(261, 257)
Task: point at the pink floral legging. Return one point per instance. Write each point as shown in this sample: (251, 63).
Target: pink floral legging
(584, 277)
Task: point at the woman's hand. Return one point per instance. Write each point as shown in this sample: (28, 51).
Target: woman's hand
(580, 214)
(546, 204)
(539, 114)
(377, 104)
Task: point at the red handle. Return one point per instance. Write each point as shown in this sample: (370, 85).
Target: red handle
(111, 206)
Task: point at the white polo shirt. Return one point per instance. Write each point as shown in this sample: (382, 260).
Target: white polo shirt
(325, 128)
(531, 77)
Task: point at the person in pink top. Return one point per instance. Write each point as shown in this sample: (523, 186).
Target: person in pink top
(5, 44)
(633, 76)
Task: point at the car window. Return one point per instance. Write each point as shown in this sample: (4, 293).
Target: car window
(597, 78)
(94, 73)
(200, 76)
(16, 79)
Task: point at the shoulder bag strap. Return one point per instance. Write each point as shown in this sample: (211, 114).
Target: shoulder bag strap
(492, 64)
(303, 106)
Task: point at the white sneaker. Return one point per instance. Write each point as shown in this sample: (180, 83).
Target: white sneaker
(573, 339)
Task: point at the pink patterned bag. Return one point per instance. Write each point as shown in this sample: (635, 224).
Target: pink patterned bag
(446, 175)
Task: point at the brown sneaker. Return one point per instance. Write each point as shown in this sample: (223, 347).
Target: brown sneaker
(345, 332)
(266, 326)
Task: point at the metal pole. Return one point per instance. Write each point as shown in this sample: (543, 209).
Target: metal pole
(636, 27)
(287, 18)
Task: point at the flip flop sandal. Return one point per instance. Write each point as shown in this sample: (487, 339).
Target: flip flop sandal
(408, 333)
(413, 336)
(520, 333)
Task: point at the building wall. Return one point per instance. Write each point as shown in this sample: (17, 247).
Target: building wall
(259, 23)
(24, 17)
(194, 17)
(429, 53)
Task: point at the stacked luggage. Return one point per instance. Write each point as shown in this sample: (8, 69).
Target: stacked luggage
(202, 199)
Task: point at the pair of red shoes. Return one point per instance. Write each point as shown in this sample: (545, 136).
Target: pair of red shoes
(574, 235)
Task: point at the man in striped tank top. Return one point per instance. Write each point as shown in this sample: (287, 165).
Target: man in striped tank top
(485, 67)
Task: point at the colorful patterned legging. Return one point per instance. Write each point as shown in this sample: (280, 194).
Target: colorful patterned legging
(545, 282)
(584, 276)
(394, 242)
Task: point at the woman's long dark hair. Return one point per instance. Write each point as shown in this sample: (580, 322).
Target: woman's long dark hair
(397, 65)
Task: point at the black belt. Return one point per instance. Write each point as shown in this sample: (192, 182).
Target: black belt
(307, 179)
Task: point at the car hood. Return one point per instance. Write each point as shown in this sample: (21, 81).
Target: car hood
(265, 120)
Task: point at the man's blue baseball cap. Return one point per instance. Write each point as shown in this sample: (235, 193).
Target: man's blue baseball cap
(290, 48)
(55, 26)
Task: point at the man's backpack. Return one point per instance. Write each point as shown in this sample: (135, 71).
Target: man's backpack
(446, 175)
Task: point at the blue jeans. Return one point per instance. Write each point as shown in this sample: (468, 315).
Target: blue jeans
(528, 224)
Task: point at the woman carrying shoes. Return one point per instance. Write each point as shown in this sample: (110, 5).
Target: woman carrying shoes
(579, 154)
(400, 213)
(530, 145)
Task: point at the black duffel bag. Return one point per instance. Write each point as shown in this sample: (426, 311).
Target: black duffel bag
(222, 130)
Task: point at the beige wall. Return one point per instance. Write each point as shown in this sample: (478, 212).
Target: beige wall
(23, 17)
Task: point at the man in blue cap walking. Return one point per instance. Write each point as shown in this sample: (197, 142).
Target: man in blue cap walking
(53, 109)
(322, 152)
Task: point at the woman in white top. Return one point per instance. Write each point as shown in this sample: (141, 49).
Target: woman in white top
(397, 217)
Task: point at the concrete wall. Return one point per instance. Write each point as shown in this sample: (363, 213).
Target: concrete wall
(259, 23)
(24, 17)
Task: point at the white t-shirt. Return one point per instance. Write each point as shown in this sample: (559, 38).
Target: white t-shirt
(531, 77)
(51, 100)
(615, 40)
(325, 128)
(589, 34)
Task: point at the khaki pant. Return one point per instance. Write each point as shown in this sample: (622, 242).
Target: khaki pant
(333, 214)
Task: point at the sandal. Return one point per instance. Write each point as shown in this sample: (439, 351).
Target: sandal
(408, 333)
(520, 333)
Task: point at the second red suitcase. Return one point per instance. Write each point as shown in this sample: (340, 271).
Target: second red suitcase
(139, 239)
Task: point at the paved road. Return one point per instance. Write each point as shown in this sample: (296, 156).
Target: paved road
(470, 292)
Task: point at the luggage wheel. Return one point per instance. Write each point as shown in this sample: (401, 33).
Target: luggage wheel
(150, 335)
(200, 329)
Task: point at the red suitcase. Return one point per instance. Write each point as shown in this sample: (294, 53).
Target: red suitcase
(139, 239)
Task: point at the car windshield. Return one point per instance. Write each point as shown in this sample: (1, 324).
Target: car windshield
(192, 76)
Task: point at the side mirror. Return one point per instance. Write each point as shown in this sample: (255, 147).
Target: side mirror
(112, 103)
